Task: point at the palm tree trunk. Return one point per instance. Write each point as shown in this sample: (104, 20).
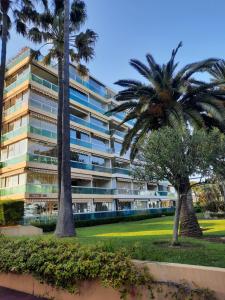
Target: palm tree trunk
(65, 223)
(189, 225)
(3, 66)
(175, 241)
(59, 124)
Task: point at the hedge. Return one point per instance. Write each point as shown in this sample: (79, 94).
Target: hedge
(11, 212)
(50, 226)
(66, 265)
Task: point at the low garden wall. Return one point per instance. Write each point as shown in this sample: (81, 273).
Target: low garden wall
(195, 276)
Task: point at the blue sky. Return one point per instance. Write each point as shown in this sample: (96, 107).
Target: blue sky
(131, 28)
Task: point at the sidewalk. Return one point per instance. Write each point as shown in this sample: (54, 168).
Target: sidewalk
(6, 294)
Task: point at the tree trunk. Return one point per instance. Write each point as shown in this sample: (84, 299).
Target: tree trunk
(177, 221)
(59, 124)
(189, 225)
(65, 223)
(3, 65)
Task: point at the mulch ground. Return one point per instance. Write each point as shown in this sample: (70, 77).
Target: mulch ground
(7, 294)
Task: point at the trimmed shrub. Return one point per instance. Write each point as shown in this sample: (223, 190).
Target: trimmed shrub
(66, 265)
(50, 226)
(11, 212)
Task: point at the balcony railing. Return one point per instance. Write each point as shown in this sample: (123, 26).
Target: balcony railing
(14, 108)
(18, 59)
(91, 167)
(20, 189)
(13, 161)
(91, 190)
(42, 159)
(121, 171)
(88, 124)
(19, 81)
(85, 102)
(43, 106)
(41, 188)
(43, 132)
(13, 133)
(45, 83)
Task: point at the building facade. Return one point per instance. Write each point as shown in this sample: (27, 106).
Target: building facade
(101, 178)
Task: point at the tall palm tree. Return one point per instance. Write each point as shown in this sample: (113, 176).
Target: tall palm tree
(49, 30)
(166, 97)
(65, 223)
(19, 18)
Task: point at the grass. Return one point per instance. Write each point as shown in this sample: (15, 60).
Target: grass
(150, 240)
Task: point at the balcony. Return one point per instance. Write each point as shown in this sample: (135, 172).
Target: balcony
(13, 133)
(80, 121)
(42, 159)
(75, 97)
(90, 167)
(18, 59)
(20, 189)
(41, 188)
(14, 108)
(43, 132)
(84, 101)
(89, 145)
(42, 106)
(121, 171)
(21, 79)
(91, 190)
(45, 83)
(13, 161)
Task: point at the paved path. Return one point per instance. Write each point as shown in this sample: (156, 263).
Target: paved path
(6, 294)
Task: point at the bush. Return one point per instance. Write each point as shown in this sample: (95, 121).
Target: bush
(11, 212)
(50, 226)
(215, 206)
(66, 265)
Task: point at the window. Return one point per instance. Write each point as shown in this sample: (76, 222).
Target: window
(13, 150)
(75, 134)
(98, 122)
(117, 147)
(80, 157)
(103, 206)
(96, 160)
(42, 149)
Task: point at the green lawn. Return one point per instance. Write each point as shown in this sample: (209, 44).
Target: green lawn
(149, 240)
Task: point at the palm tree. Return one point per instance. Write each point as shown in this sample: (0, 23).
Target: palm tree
(166, 97)
(20, 17)
(49, 30)
(65, 223)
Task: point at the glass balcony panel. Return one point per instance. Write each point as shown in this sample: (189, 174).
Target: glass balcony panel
(20, 189)
(91, 190)
(80, 143)
(90, 167)
(80, 121)
(14, 133)
(13, 161)
(23, 77)
(122, 171)
(18, 59)
(42, 159)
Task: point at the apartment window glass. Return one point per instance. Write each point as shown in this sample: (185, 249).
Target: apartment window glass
(98, 122)
(80, 157)
(81, 136)
(103, 206)
(96, 160)
(118, 147)
(99, 142)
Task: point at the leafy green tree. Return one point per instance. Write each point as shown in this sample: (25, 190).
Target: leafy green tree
(168, 97)
(48, 30)
(176, 154)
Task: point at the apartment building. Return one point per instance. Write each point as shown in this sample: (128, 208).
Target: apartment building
(101, 178)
